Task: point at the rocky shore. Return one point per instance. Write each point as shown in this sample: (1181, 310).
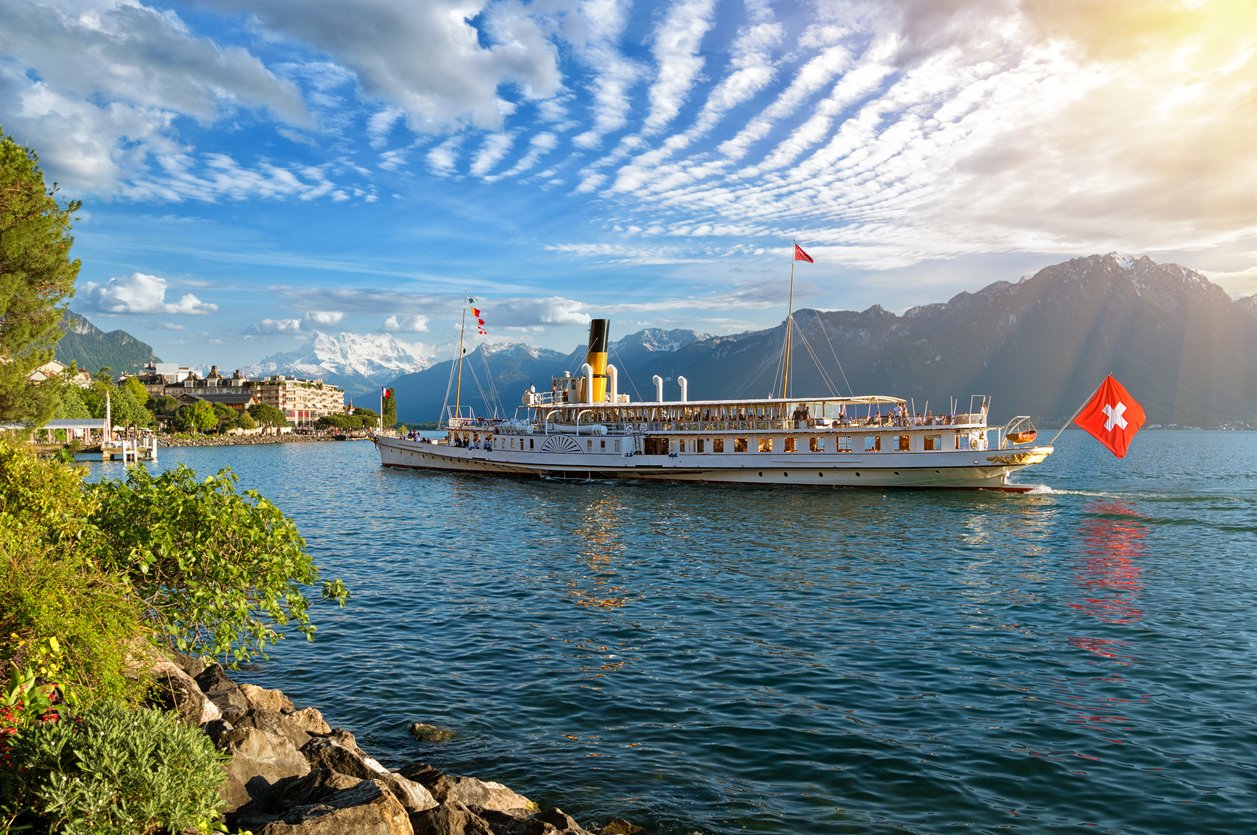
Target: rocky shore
(292, 774)
(249, 439)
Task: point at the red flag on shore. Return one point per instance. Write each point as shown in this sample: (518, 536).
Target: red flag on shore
(1112, 416)
(800, 255)
(386, 392)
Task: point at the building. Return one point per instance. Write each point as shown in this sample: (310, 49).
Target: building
(158, 376)
(55, 370)
(302, 401)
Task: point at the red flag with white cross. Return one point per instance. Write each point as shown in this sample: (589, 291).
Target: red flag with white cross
(1112, 416)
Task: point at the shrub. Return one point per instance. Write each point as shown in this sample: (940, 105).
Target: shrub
(112, 770)
(217, 571)
(62, 616)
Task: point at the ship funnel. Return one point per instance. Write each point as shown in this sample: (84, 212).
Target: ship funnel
(597, 359)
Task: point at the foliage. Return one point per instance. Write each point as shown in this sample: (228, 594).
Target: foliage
(217, 571)
(72, 405)
(62, 616)
(390, 411)
(228, 418)
(196, 417)
(125, 403)
(267, 415)
(347, 423)
(36, 277)
(163, 405)
(114, 769)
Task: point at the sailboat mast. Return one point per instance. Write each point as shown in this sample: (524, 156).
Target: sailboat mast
(785, 375)
(458, 389)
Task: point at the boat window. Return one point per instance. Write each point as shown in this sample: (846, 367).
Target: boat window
(717, 444)
(905, 443)
(933, 442)
(791, 444)
(700, 443)
(815, 444)
(739, 444)
(681, 445)
(765, 444)
(844, 443)
(532, 443)
(962, 441)
(873, 443)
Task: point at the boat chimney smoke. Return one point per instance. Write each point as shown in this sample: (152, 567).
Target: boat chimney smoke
(685, 388)
(597, 359)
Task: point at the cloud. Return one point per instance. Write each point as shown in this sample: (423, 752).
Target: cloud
(406, 324)
(678, 60)
(322, 318)
(426, 59)
(276, 326)
(139, 293)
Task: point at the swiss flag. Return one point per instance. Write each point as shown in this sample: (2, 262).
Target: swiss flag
(1112, 416)
(800, 255)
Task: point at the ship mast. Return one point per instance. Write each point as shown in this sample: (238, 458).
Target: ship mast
(785, 372)
(458, 388)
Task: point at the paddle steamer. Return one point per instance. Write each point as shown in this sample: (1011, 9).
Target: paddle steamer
(585, 428)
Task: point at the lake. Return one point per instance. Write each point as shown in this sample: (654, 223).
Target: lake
(719, 659)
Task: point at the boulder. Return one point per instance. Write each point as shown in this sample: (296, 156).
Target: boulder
(310, 721)
(280, 724)
(339, 752)
(365, 809)
(424, 732)
(449, 819)
(223, 692)
(260, 761)
(619, 826)
(316, 786)
(260, 697)
(473, 793)
(176, 691)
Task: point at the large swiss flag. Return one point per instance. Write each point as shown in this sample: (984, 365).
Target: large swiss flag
(1112, 416)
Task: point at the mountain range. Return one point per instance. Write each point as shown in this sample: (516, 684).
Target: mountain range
(1038, 346)
(358, 363)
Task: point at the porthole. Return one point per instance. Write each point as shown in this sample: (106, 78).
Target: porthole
(820, 475)
(785, 475)
(857, 475)
(761, 474)
(896, 472)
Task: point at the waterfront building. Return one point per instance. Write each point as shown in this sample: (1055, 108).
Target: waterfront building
(302, 401)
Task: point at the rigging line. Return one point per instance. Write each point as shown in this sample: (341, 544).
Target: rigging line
(825, 378)
(625, 374)
(821, 322)
(493, 386)
(449, 384)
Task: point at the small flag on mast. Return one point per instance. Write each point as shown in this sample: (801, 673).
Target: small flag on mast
(1112, 416)
(800, 255)
(386, 392)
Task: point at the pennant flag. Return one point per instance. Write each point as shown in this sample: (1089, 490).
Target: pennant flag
(1112, 416)
(471, 301)
(800, 255)
(475, 311)
(386, 392)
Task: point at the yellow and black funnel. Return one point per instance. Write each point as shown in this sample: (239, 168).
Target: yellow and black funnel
(597, 356)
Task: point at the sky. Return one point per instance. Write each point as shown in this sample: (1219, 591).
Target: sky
(254, 171)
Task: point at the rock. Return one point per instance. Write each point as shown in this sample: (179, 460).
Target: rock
(259, 697)
(223, 692)
(176, 691)
(310, 721)
(449, 819)
(365, 809)
(619, 826)
(316, 786)
(424, 732)
(339, 752)
(473, 793)
(280, 724)
(259, 761)
(561, 821)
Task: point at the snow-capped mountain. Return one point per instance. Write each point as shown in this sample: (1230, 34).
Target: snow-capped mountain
(358, 363)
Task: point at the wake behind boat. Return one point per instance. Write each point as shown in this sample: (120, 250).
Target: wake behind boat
(584, 428)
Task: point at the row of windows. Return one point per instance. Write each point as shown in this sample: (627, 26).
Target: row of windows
(812, 443)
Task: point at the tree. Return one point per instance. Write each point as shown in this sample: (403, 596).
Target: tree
(196, 417)
(36, 279)
(390, 410)
(72, 405)
(267, 415)
(228, 418)
(221, 585)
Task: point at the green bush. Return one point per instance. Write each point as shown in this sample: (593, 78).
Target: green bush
(217, 571)
(114, 771)
(61, 616)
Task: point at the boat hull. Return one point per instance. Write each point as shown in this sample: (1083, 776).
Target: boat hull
(967, 469)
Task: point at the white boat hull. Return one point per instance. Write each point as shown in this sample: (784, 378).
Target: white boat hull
(970, 469)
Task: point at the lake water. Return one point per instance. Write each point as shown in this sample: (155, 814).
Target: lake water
(795, 660)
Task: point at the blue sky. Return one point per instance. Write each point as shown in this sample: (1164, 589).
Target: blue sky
(252, 172)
